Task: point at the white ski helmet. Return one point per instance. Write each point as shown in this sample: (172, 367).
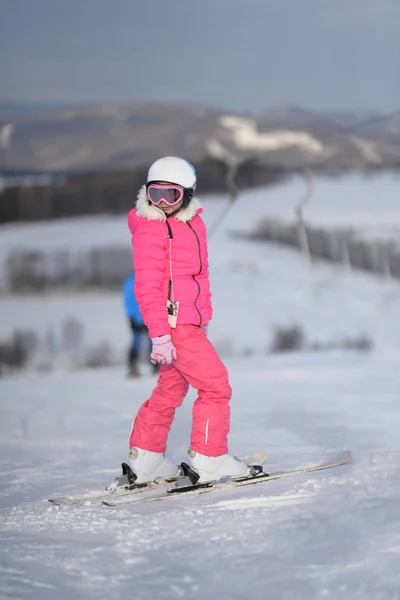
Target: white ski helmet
(173, 170)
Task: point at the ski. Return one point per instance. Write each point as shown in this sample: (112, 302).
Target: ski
(180, 489)
(95, 496)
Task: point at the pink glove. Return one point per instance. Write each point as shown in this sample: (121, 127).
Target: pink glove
(163, 350)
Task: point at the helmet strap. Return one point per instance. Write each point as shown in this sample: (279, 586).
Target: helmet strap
(187, 196)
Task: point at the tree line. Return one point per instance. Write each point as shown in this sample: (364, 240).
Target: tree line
(114, 192)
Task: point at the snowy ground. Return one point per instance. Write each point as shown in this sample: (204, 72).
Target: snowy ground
(256, 288)
(328, 535)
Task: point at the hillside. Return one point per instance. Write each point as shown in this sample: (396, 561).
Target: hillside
(124, 136)
(333, 534)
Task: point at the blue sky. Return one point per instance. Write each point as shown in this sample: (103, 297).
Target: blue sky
(238, 54)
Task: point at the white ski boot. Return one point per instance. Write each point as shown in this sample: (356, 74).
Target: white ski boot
(212, 468)
(148, 466)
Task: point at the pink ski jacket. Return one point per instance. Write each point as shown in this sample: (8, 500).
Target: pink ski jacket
(170, 249)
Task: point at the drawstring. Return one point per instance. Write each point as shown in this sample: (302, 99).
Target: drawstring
(171, 295)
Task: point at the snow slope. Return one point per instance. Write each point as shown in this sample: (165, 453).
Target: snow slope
(256, 288)
(325, 535)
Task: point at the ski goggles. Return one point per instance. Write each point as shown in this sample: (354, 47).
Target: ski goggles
(168, 193)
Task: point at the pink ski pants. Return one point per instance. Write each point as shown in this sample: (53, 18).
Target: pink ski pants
(199, 365)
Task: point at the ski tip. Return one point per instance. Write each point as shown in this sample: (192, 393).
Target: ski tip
(341, 458)
(345, 454)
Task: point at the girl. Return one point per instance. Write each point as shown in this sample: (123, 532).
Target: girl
(173, 290)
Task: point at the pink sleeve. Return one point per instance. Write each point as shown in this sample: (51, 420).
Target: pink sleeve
(149, 263)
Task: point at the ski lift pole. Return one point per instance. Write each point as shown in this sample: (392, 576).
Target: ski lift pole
(233, 190)
(301, 228)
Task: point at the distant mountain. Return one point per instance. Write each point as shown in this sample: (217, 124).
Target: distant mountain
(296, 115)
(17, 109)
(365, 123)
(124, 136)
(381, 128)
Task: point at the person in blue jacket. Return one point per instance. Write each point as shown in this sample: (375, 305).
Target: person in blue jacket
(136, 324)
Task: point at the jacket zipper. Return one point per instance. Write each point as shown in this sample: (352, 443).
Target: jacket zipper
(193, 276)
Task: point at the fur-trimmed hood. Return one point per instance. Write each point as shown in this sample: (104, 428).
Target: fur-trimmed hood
(146, 210)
